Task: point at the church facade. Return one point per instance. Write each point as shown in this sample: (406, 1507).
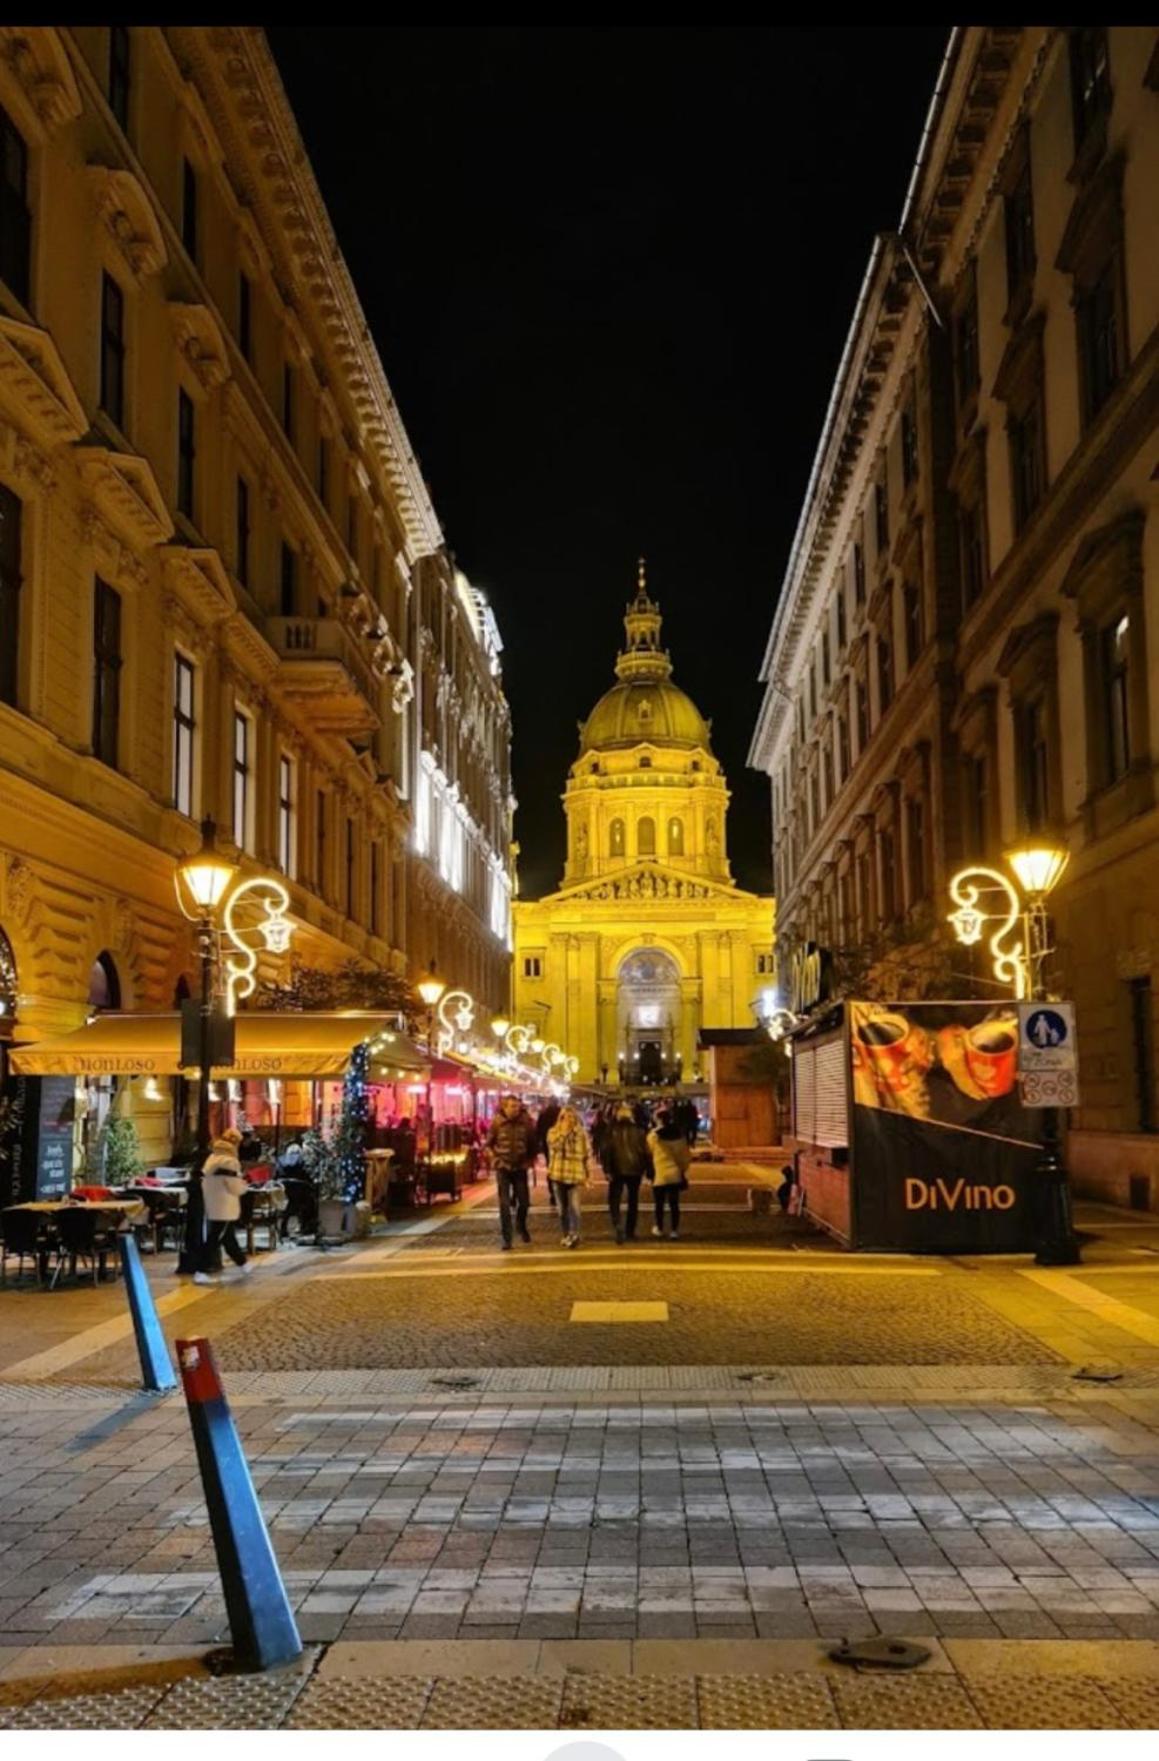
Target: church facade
(648, 939)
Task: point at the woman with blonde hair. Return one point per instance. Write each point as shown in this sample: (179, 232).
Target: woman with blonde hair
(569, 1160)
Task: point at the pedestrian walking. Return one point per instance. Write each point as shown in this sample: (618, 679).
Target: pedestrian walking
(222, 1186)
(543, 1124)
(671, 1155)
(569, 1161)
(511, 1141)
(624, 1156)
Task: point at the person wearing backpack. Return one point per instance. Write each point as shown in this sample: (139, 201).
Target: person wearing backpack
(625, 1159)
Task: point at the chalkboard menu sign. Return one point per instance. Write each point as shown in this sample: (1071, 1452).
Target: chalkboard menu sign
(57, 1121)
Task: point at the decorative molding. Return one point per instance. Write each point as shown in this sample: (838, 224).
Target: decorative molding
(198, 579)
(35, 388)
(125, 493)
(124, 206)
(246, 643)
(116, 562)
(41, 88)
(201, 342)
(25, 467)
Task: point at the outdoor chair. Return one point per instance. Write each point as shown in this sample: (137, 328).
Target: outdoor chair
(166, 1216)
(24, 1235)
(85, 1235)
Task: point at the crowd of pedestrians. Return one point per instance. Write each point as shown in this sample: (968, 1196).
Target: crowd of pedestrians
(627, 1142)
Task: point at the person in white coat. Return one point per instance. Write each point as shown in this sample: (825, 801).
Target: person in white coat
(222, 1185)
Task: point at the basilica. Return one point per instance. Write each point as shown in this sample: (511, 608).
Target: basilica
(648, 939)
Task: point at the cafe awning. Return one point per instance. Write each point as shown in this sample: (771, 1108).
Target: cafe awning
(284, 1045)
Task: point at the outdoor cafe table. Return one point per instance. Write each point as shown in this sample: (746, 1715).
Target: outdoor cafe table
(125, 1210)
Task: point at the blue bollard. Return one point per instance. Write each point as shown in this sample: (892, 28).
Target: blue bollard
(260, 1619)
(157, 1375)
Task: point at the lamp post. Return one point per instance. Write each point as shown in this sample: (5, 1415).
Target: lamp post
(1019, 959)
(204, 887)
(431, 989)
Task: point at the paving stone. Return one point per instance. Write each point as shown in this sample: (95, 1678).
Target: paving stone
(625, 1702)
(341, 1703)
(875, 1701)
(1028, 1702)
(494, 1703)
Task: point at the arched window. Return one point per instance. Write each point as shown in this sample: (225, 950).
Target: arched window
(617, 837)
(104, 985)
(675, 837)
(646, 838)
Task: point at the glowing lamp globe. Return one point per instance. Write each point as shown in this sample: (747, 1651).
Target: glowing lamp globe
(1039, 866)
(203, 878)
(499, 1026)
(430, 989)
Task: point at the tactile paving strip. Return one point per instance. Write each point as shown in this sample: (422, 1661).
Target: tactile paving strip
(765, 1702)
(344, 1703)
(514, 1702)
(877, 1702)
(237, 1702)
(126, 1709)
(1137, 1701)
(629, 1702)
(1027, 1702)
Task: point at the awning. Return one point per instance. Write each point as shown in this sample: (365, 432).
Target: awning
(284, 1045)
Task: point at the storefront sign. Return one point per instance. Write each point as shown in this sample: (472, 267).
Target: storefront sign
(810, 977)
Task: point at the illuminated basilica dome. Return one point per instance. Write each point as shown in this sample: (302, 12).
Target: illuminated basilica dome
(644, 705)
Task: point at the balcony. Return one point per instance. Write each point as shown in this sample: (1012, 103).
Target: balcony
(327, 670)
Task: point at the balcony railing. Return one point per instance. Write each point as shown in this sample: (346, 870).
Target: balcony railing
(326, 667)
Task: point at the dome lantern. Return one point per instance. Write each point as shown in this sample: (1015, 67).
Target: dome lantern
(645, 706)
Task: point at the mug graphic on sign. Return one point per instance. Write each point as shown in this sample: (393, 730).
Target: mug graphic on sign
(891, 1056)
(982, 1060)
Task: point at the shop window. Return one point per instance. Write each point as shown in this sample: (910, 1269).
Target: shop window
(15, 214)
(11, 514)
(646, 837)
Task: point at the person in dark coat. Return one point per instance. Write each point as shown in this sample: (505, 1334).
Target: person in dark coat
(547, 1118)
(624, 1155)
(512, 1143)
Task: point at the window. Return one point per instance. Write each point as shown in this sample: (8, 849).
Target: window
(287, 814)
(887, 856)
(916, 850)
(112, 351)
(766, 965)
(827, 773)
(976, 804)
(352, 527)
(1027, 459)
(884, 673)
(675, 837)
(1032, 764)
(616, 837)
(119, 71)
(825, 663)
(861, 703)
(288, 401)
(1113, 672)
(323, 470)
(289, 582)
(914, 624)
(375, 887)
(1020, 259)
(1100, 336)
(243, 738)
(106, 673)
(966, 357)
(864, 891)
(844, 765)
(11, 510)
(350, 868)
(189, 208)
(320, 841)
(972, 547)
(645, 763)
(186, 454)
(909, 446)
(245, 315)
(814, 802)
(184, 732)
(1143, 1047)
(242, 535)
(1090, 80)
(841, 629)
(813, 689)
(881, 515)
(859, 574)
(532, 966)
(15, 216)
(646, 837)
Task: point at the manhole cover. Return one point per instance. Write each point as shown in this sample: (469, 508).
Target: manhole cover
(759, 1376)
(880, 1654)
(454, 1381)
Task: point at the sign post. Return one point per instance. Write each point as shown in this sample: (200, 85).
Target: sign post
(1048, 1062)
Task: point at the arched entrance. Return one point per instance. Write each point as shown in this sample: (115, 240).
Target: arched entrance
(648, 1017)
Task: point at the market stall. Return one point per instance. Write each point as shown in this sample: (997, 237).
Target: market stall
(908, 1130)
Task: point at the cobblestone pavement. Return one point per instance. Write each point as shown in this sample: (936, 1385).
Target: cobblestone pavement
(811, 1446)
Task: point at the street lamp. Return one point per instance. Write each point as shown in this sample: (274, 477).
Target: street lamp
(430, 989)
(204, 886)
(499, 1026)
(1038, 865)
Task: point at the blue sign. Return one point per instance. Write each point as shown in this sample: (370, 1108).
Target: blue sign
(1046, 1029)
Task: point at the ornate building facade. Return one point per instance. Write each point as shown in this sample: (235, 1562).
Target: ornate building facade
(224, 590)
(966, 644)
(648, 939)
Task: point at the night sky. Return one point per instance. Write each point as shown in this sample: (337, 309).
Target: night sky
(610, 274)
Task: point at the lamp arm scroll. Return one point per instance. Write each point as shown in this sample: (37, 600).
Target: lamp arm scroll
(970, 921)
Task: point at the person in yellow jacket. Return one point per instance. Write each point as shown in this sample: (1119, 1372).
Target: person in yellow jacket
(569, 1164)
(670, 1158)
